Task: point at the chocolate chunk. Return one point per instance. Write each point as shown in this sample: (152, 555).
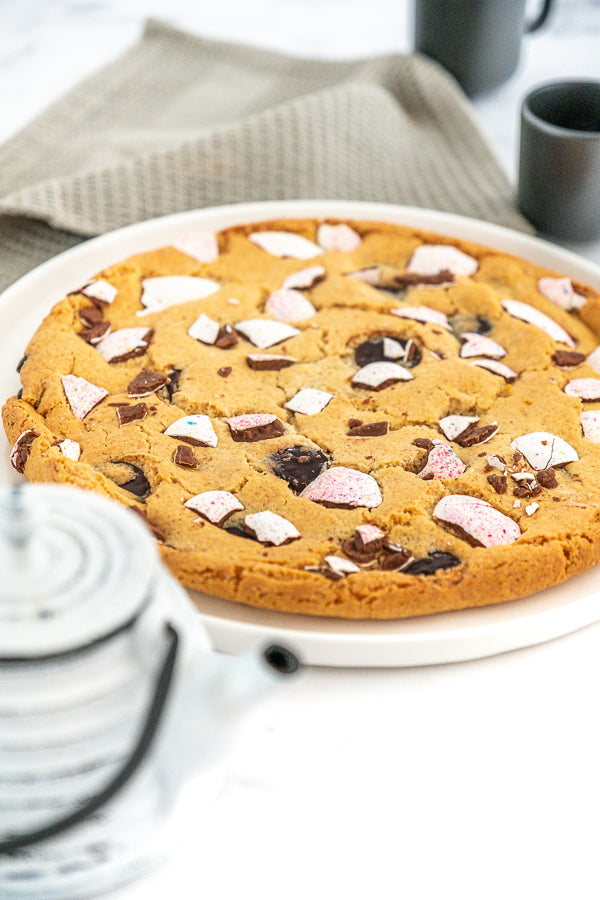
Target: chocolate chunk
(184, 456)
(156, 531)
(127, 476)
(224, 371)
(20, 363)
(373, 350)
(424, 443)
(473, 435)
(408, 279)
(371, 429)
(463, 322)
(298, 466)
(498, 482)
(395, 562)
(527, 490)
(94, 333)
(547, 478)
(22, 449)
(354, 423)
(227, 337)
(270, 362)
(135, 413)
(568, 358)
(429, 564)
(91, 315)
(146, 382)
(259, 432)
(138, 485)
(360, 557)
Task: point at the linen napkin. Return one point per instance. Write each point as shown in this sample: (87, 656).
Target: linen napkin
(179, 122)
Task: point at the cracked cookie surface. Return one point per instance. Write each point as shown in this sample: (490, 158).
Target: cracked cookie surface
(349, 419)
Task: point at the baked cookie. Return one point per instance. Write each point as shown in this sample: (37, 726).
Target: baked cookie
(349, 419)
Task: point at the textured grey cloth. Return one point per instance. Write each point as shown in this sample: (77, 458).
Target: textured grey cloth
(179, 123)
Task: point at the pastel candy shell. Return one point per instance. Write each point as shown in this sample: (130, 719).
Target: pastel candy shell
(452, 426)
(480, 345)
(344, 487)
(81, 395)
(584, 388)
(195, 427)
(122, 342)
(215, 506)
(561, 292)
(309, 401)
(498, 368)
(375, 374)
(100, 290)
(590, 423)
(477, 518)
(264, 333)
(169, 290)
(442, 463)
(593, 359)
(250, 420)
(287, 305)
(340, 237)
(369, 534)
(392, 349)
(200, 245)
(421, 314)
(204, 329)
(70, 449)
(285, 244)
(429, 259)
(542, 449)
(533, 316)
(341, 566)
(270, 528)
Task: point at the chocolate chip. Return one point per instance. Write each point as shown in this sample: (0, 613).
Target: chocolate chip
(547, 478)
(424, 443)
(135, 413)
(146, 382)
(408, 279)
(184, 456)
(156, 531)
(568, 358)
(20, 363)
(22, 449)
(473, 435)
(224, 371)
(431, 563)
(498, 482)
(298, 466)
(371, 429)
(227, 337)
(91, 315)
(139, 484)
(258, 433)
(372, 350)
(94, 333)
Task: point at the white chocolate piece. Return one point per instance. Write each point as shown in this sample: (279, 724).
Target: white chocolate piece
(100, 290)
(479, 345)
(341, 566)
(561, 292)
(304, 279)
(453, 426)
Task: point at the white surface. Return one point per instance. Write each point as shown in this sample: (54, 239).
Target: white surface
(471, 780)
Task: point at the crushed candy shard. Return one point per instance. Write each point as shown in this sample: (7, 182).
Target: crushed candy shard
(452, 426)
(200, 245)
(421, 314)
(271, 528)
(442, 463)
(341, 238)
(533, 507)
(561, 292)
(304, 279)
(216, 506)
(100, 290)
(170, 290)
(478, 345)
(289, 305)
(369, 534)
(478, 519)
(370, 275)
(584, 388)
(527, 313)
(204, 329)
(70, 449)
(255, 427)
(590, 423)
(194, 429)
(341, 566)
(377, 375)
(285, 244)
(264, 333)
(309, 401)
(429, 259)
(82, 396)
(124, 343)
(543, 449)
(341, 486)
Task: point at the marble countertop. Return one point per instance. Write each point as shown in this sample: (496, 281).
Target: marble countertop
(475, 779)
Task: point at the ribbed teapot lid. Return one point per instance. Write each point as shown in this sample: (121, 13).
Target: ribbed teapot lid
(75, 568)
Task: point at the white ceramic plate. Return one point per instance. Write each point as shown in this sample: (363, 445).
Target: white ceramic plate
(447, 637)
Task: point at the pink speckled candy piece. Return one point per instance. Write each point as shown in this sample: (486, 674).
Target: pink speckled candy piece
(200, 245)
(215, 506)
(100, 290)
(285, 244)
(429, 259)
(421, 314)
(123, 342)
(270, 528)
(204, 329)
(561, 292)
(542, 449)
(70, 449)
(442, 463)
(498, 368)
(195, 429)
(369, 534)
(452, 426)
(590, 423)
(533, 316)
(309, 401)
(377, 374)
(478, 345)
(340, 486)
(81, 395)
(250, 420)
(170, 290)
(304, 278)
(477, 518)
(264, 333)
(341, 566)
(584, 388)
(341, 238)
(288, 305)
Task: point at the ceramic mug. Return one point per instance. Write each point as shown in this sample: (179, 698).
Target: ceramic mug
(478, 41)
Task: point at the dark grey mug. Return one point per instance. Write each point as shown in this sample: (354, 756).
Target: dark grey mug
(559, 159)
(478, 41)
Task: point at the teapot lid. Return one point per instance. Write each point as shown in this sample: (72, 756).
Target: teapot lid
(76, 568)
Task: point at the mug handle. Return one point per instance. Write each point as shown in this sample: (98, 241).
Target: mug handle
(127, 770)
(541, 18)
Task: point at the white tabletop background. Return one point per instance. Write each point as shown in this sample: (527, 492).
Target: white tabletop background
(470, 780)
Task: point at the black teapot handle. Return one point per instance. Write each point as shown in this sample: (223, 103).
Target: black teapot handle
(127, 770)
(541, 18)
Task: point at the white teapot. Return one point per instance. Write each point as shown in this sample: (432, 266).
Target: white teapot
(110, 696)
